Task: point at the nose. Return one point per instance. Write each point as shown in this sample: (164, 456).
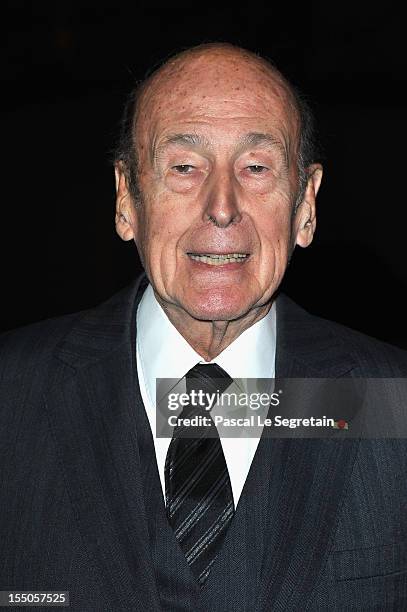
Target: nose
(222, 204)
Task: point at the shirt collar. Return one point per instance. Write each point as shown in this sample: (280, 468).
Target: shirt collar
(164, 352)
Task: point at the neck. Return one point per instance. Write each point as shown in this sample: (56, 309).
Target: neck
(209, 338)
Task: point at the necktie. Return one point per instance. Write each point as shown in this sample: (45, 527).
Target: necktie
(199, 499)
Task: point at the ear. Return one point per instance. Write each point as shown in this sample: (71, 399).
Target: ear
(125, 217)
(305, 218)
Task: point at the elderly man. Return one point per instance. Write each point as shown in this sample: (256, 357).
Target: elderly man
(216, 184)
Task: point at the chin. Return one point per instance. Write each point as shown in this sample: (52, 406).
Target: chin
(218, 305)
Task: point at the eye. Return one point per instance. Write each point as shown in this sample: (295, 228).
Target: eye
(183, 168)
(257, 169)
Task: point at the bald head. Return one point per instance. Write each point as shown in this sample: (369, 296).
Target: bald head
(191, 80)
(216, 69)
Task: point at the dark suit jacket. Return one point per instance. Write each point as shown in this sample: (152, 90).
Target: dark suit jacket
(321, 524)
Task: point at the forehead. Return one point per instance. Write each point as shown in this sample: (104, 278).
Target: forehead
(216, 91)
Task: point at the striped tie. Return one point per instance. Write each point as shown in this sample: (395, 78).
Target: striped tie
(199, 498)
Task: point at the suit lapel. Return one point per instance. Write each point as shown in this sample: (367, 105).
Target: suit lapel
(306, 346)
(92, 410)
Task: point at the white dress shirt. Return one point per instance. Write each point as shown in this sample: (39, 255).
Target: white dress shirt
(162, 352)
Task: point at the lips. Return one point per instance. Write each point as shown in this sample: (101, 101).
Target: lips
(219, 259)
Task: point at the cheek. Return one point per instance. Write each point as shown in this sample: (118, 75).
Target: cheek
(275, 246)
(161, 227)
(154, 225)
(272, 219)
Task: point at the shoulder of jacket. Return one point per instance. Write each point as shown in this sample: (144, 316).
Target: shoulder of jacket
(29, 347)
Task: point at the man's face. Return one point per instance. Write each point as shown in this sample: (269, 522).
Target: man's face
(217, 138)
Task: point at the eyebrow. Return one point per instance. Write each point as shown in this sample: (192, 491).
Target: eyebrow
(189, 140)
(258, 139)
(193, 140)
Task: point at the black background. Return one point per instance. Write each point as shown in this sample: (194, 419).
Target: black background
(67, 67)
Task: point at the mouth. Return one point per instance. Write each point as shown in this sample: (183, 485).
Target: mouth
(219, 259)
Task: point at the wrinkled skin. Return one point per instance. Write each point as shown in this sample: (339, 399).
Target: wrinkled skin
(217, 138)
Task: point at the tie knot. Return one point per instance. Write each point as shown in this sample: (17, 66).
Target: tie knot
(207, 377)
